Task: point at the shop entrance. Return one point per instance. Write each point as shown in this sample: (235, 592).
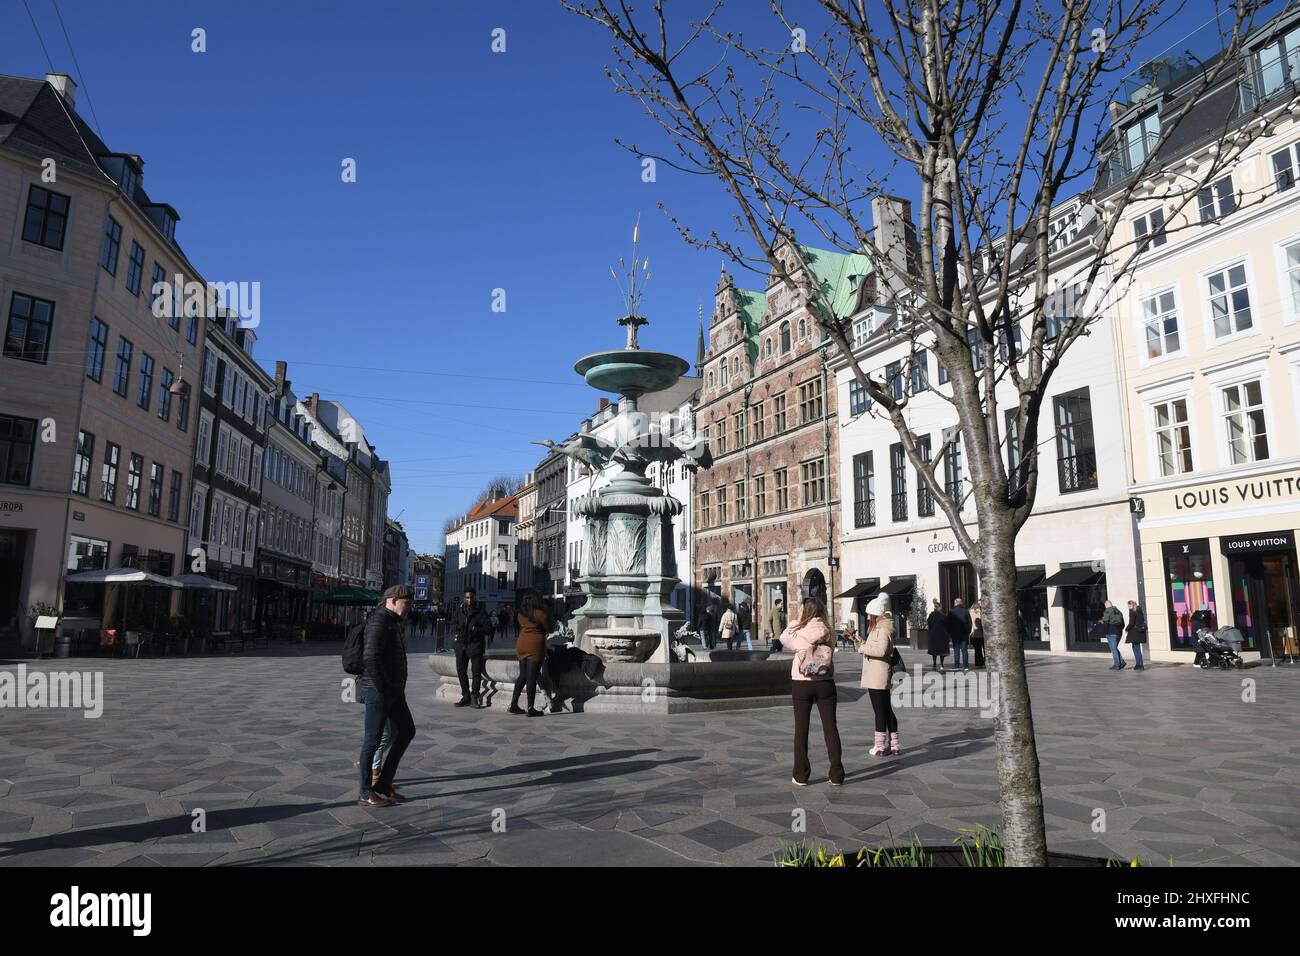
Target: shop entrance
(1264, 590)
(13, 549)
(1081, 592)
(958, 580)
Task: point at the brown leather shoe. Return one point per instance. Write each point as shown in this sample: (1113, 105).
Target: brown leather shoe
(393, 795)
(374, 800)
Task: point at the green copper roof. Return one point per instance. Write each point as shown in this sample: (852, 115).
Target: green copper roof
(752, 306)
(838, 274)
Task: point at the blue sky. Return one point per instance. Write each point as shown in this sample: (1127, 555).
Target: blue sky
(475, 171)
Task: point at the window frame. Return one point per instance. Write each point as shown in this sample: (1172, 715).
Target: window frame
(1145, 357)
(1078, 450)
(11, 441)
(33, 302)
(45, 217)
(112, 239)
(1212, 339)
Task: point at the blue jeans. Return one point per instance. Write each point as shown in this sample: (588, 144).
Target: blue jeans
(1113, 641)
(961, 652)
(380, 710)
(1137, 654)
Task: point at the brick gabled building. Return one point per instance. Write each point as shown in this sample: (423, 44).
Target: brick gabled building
(766, 513)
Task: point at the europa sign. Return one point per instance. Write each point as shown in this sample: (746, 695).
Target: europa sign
(1265, 489)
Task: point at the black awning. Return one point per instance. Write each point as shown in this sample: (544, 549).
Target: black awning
(899, 586)
(1029, 579)
(862, 589)
(1075, 578)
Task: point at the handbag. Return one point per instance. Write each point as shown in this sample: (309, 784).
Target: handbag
(896, 661)
(817, 661)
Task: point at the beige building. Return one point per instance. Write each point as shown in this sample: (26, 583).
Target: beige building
(1209, 340)
(97, 410)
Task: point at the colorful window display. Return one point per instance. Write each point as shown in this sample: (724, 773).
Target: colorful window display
(1190, 597)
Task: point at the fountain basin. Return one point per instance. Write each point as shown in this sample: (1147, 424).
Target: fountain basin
(631, 372)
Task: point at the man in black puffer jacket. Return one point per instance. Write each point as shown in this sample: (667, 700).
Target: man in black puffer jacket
(472, 629)
(384, 687)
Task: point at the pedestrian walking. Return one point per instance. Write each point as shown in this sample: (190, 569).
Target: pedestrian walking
(1113, 623)
(774, 625)
(745, 617)
(1136, 632)
(959, 627)
(812, 681)
(877, 669)
(977, 633)
(729, 627)
(384, 684)
(530, 650)
(471, 631)
(937, 637)
(711, 625)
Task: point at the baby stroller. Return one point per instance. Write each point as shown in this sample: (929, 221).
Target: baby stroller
(1219, 648)
(677, 647)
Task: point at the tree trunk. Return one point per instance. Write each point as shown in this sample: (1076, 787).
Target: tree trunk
(1023, 832)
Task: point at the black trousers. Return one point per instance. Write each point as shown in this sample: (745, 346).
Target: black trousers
(886, 722)
(529, 671)
(805, 693)
(978, 645)
(470, 657)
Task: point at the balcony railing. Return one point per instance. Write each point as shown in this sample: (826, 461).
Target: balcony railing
(1078, 472)
(864, 513)
(898, 506)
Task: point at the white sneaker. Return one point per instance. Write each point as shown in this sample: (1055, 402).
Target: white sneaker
(797, 783)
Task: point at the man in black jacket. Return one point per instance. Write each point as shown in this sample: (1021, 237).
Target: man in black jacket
(472, 629)
(384, 686)
(959, 633)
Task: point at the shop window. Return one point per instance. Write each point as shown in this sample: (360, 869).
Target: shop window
(1190, 599)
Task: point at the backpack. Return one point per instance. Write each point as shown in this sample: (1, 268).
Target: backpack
(354, 650)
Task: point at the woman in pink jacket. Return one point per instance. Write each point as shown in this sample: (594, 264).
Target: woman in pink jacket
(811, 681)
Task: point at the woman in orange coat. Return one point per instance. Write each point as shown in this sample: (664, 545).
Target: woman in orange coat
(530, 648)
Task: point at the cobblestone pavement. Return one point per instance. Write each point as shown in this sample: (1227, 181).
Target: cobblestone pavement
(262, 742)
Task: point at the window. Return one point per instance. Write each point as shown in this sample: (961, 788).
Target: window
(108, 477)
(1230, 301)
(17, 446)
(803, 330)
(705, 513)
(722, 373)
(1173, 437)
(81, 466)
(203, 452)
(95, 349)
(1136, 141)
(1063, 308)
(145, 393)
(134, 474)
(161, 292)
(1076, 456)
(778, 414)
(858, 400)
(756, 422)
(47, 218)
(738, 429)
(742, 501)
(27, 336)
(135, 269)
(760, 496)
(898, 481)
(862, 329)
(183, 409)
(112, 243)
(722, 504)
(943, 373)
(810, 401)
(1243, 414)
(1015, 480)
(1292, 268)
(920, 372)
(952, 476)
(1216, 199)
(813, 481)
(894, 380)
(209, 371)
(782, 486)
(1161, 321)
(155, 489)
(1062, 231)
(1010, 352)
(1149, 229)
(122, 372)
(1272, 68)
(976, 346)
(785, 337)
(924, 498)
(722, 436)
(165, 395)
(864, 490)
(174, 500)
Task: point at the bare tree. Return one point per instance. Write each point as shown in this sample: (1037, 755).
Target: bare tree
(503, 486)
(987, 113)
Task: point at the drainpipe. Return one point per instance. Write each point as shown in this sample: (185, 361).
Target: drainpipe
(830, 512)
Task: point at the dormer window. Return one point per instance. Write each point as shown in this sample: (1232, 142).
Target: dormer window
(1136, 140)
(1062, 230)
(164, 219)
(1272, 69)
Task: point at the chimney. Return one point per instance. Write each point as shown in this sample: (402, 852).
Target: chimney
(281, 369)
(314, 404)
(64, 86)
(604, 403)
(895, 236)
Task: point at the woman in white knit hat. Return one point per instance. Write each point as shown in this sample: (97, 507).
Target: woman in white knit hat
(878, 649)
